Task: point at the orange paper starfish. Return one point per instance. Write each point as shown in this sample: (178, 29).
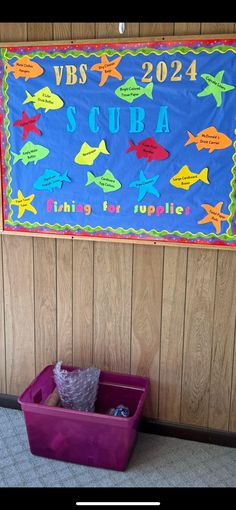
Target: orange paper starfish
(214, 215)
(107, 69)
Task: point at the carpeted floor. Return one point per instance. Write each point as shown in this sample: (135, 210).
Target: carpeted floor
(157, 461)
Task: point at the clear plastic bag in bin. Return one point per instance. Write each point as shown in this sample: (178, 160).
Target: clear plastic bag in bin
(77, 388)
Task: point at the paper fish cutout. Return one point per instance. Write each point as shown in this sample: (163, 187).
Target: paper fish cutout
(210, 139)
(25, 67)
(24, 203)
(215, 86)
(185, 178)
(88, 154)
(214, 215)
(44, 98)
(51, 179)
(130, 90)
(107, 181)
(30, 153)
(145, 185)
(149, 149)
(107, 68)
(28, 124)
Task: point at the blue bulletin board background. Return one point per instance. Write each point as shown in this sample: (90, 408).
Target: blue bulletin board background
(150, 90)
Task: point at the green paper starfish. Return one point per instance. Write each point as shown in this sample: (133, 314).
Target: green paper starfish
(215, 86)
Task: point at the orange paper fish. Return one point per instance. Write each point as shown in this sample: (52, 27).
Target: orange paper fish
(24, 68)
(210, 139)
(107, 68)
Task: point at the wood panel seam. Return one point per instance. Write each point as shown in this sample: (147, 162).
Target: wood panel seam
(232, 374)
(4, 319)
(159, 375)
(72, 298)
(33, 275)
(212, 338)
(184, 324)
(131, 307)
(93, 303)
(56, 283)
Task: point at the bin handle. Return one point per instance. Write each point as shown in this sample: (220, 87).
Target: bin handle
(127, 386)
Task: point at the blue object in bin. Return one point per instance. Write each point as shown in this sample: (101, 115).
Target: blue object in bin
(120, 410)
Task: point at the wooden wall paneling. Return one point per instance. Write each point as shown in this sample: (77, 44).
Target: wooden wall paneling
(18, 341)
(13, 32)
(64, 300)
(82, 267)
(217, 28)
(171, 354)
(112, 287)
(145, 344)
(223, 341)
(47, 320)
(106, 30)
(82, 30)
(187, 28)
(149, 29)
(40, 31)
(200, 297)
(146, 319)
(62, 31)
(45, 301)
(83, 275)
(112, 306)
(232, 416)
(19, 312)
(2, 329)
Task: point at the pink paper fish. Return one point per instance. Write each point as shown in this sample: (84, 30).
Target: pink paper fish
(149, 149)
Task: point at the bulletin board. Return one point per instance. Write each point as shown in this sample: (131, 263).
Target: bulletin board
(120, 140)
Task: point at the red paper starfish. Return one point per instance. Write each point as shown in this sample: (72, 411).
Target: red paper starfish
(28, 124)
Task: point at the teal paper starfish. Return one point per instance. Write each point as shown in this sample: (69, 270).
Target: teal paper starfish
(145, 186)
(215, 86)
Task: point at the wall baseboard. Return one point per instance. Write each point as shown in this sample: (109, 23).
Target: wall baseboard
(161, 428)
(9, 401)
(201, 434)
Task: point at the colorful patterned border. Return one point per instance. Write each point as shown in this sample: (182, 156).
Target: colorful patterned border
(75, 50)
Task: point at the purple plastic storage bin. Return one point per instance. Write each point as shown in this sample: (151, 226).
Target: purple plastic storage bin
(93, 439)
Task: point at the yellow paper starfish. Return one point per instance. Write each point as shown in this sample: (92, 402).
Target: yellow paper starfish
(214, 215)
(107, 69)
(24, 203)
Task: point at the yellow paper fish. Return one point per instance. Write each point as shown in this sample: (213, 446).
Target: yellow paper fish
(185, 178)
(44, 98)
(88, 154)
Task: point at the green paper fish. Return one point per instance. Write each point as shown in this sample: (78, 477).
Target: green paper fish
(130, 90)
(44, 98)
(107, 181)
(88, 154)
(30, 153)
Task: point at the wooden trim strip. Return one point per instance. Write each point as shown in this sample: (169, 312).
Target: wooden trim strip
(116, 240)
(120, 40)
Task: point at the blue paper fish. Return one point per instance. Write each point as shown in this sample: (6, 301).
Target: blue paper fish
(51, 179)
